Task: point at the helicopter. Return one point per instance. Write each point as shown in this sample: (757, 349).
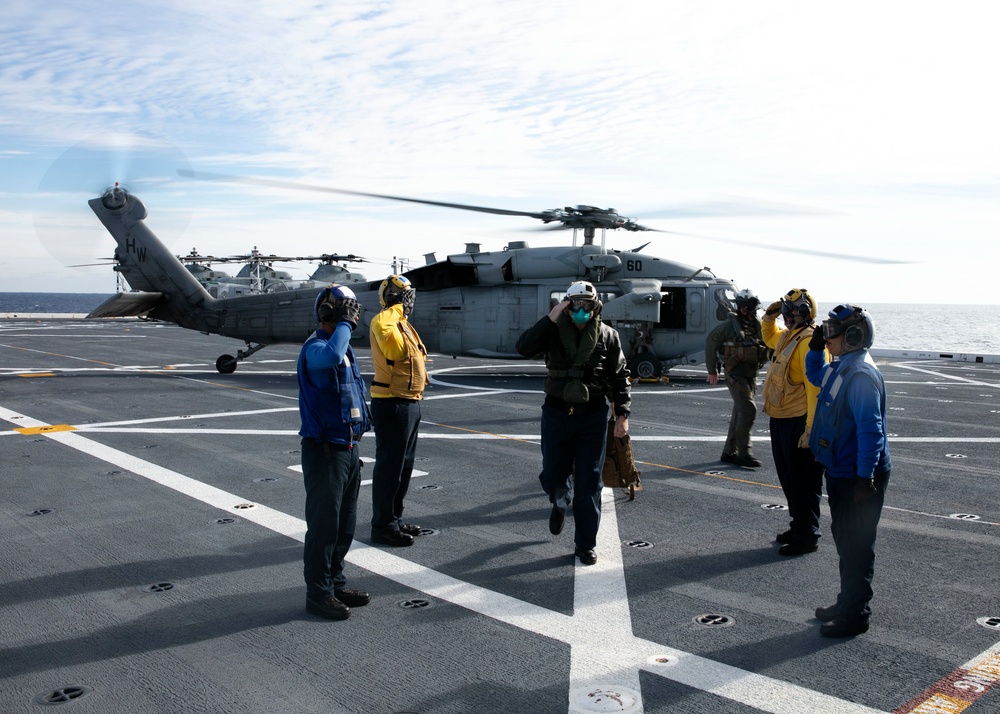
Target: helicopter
(475, 303)
(258, 274)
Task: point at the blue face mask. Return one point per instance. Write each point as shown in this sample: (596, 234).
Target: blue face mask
(580, 315)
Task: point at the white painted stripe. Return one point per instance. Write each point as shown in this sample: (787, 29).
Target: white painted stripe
(147, 430)
(212, 415)
(600, 599)
(474, 436)
(297, 468)
(943, 375)
(620, 659)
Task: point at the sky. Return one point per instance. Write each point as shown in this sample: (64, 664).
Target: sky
(865, 129)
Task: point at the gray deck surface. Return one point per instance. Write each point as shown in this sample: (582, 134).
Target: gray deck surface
(151, 515)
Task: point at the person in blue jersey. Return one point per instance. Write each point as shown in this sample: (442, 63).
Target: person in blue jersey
(334, 417)
(849, 438)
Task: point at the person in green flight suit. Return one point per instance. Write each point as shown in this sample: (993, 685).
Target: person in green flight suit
(739, 341)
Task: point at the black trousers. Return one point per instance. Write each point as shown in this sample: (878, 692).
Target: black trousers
(332, 475)
(854, 526)
(396, 424)
(800, 476)
(573, 447)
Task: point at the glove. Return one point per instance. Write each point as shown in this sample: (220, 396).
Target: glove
(349, 313)
(864, 488)
(816, 342)
(774, 308)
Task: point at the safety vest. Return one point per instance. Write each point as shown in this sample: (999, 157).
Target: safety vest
(745, 347)
(405, 377)
(782, 397)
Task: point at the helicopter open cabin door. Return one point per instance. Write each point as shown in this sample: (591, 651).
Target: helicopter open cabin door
(683, 317)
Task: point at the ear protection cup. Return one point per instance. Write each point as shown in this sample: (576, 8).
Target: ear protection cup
(325, 312)
(854, 336)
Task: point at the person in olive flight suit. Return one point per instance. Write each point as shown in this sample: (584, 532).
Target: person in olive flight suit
(586, 367)
(743, 353)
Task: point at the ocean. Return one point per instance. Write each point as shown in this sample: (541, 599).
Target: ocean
(969, 329)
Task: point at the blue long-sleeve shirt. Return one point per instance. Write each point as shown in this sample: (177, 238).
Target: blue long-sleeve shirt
(849, 432)
(331, 391)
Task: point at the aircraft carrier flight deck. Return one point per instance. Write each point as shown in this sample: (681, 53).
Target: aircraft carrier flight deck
(152, 516)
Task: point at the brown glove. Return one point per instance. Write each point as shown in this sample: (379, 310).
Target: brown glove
(774, 308)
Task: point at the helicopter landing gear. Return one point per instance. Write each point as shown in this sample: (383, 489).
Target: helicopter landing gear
(226, 364)
(646, 366)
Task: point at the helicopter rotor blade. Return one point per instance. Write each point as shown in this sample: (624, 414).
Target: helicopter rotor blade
(333, 258)
(588, 217)
(106, 263)
(737, 208)
(84, 171)
(788, 249)
(277, 183)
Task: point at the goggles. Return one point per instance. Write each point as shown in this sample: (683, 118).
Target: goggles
(834, 327)
(582, 304)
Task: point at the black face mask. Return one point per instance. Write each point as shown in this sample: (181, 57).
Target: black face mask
(408, 298)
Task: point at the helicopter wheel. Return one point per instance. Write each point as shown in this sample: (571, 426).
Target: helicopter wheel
(646, 366)
(226, 364)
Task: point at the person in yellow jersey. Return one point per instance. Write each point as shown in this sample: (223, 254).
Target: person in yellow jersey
(398, 356)
(790, 402)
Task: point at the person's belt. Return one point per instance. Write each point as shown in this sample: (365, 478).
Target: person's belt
(567, 408)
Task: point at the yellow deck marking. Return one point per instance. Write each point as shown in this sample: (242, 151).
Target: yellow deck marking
(29, 431)
(38, 374)
(942, 704)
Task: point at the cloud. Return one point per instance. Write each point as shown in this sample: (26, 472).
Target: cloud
(878, 117)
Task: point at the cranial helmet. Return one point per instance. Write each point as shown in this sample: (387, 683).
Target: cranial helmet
(747, 299)
(397, 289)
(798, 306)
(854, 323)
(335, 302)
(583, 301)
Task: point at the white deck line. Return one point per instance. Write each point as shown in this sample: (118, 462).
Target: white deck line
(599, 650)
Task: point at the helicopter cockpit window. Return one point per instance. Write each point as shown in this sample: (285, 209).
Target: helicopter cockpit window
(673, 309)
(725, 303)
(606, 295)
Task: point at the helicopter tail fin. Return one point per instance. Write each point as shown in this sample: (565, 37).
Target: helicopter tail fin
(169, 292)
